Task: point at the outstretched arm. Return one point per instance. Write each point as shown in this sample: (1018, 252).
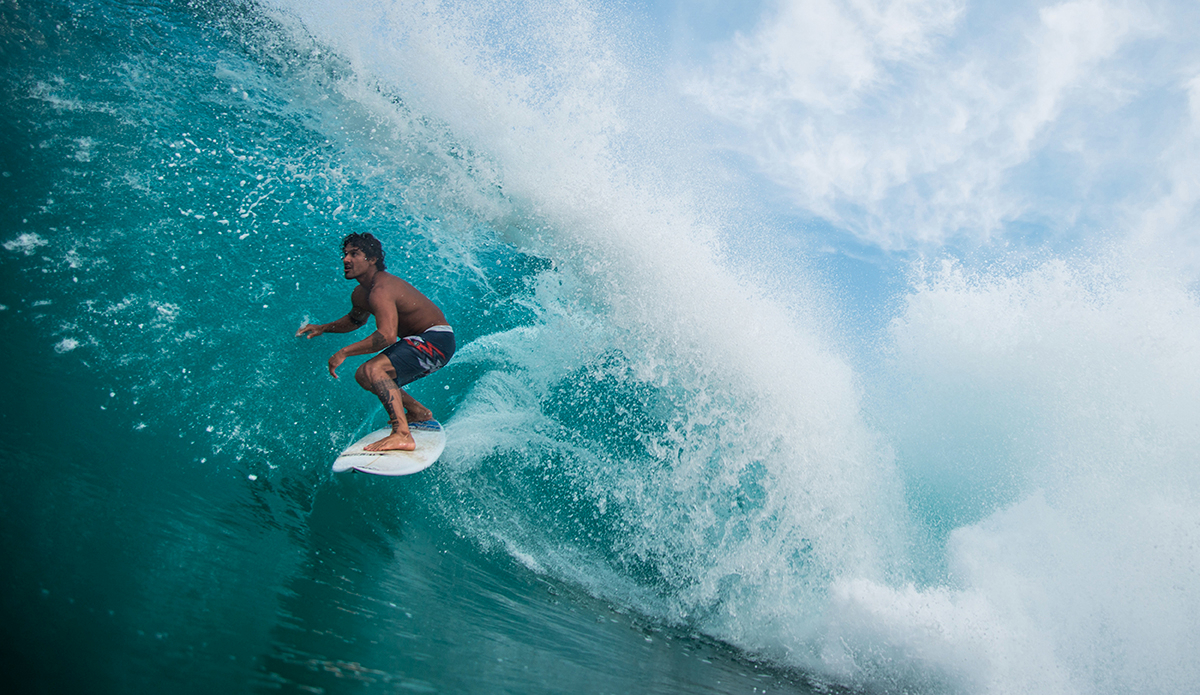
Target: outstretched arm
(352, 321)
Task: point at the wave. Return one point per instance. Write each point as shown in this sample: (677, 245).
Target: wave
(652, 399)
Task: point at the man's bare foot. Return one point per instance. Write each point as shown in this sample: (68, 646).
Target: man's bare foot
(418, 414)
(413, 410)
(393, 442)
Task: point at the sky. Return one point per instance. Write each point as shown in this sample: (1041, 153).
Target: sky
(927, 126)
(886, 130)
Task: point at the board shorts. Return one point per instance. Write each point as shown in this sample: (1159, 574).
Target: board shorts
(416, 356)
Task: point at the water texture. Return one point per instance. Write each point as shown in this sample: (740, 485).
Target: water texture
(753, 393)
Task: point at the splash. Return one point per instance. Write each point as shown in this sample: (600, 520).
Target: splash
(1041, 420)
(1006, 504)
(663, 433)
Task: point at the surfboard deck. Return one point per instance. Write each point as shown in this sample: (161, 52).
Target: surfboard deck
(430, 439)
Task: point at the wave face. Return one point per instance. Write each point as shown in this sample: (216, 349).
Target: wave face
(654, 401)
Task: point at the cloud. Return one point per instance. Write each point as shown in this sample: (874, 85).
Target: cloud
(916, 123)
(1171, 218)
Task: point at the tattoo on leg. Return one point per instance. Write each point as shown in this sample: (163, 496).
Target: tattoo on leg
(387, 391)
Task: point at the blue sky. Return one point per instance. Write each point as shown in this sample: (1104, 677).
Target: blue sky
(883, 128)
(945, 124)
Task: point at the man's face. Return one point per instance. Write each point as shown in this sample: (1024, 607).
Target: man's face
(355, 263)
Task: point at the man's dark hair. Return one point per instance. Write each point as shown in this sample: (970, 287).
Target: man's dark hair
(368, 244)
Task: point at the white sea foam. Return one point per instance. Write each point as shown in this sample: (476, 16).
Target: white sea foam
(1042, 420)
(641, 260)
(1065, 397)
(27, 243)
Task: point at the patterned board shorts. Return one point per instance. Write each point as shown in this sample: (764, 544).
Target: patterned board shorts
(416, 356)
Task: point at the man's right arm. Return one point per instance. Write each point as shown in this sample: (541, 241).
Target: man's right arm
(352, 321)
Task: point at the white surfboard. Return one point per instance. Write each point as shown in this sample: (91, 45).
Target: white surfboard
(430, 439)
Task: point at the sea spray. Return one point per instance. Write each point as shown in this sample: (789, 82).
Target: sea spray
(1044, 422)
(630, 415)
(662, 434)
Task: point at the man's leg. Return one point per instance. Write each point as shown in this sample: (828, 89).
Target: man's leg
(413, 410)
(379, 377)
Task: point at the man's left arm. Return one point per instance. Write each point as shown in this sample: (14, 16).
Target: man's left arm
(386, 327)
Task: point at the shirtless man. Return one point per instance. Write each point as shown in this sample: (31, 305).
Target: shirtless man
(426, 345)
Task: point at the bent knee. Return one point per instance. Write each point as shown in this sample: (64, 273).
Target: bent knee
(373, 370)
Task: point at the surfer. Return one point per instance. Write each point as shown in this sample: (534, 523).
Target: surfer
(400, 310)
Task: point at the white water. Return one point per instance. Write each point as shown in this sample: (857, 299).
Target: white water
(1050, 415)
(1013, 505)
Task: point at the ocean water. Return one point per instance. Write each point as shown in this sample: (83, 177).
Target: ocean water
(803, 347)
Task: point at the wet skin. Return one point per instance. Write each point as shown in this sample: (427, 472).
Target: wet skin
(399, 310)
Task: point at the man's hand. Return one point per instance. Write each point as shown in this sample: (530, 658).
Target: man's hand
(310, 331)
(335, 362)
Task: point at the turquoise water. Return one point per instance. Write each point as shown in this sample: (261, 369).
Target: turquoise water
(694, 444)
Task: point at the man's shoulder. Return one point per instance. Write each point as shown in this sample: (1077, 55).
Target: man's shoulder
(386, 282)
(388, 286)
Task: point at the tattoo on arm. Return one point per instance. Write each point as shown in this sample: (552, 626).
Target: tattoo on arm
(358, 316)
(378, 342)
